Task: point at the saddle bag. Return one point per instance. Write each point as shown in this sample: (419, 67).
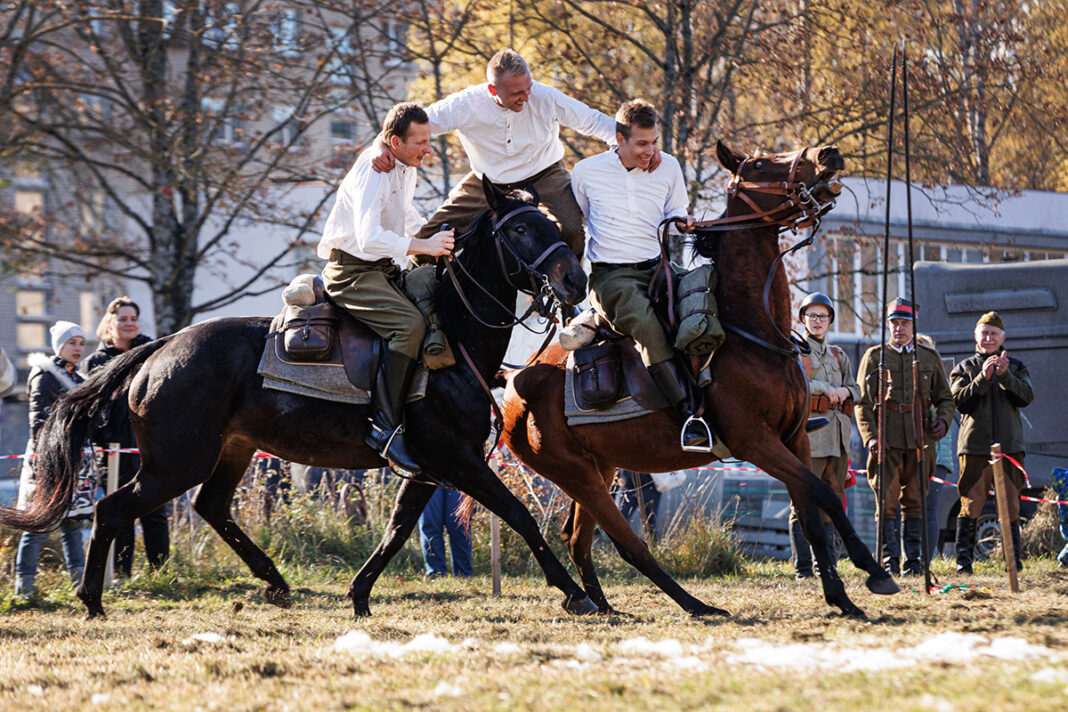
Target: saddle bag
(309, 332)
(699, 332)
(598, 374)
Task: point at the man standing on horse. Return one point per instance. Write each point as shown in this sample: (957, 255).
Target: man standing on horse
(989, 389)
(624, 202)
(510, 129)
(833, 391)
(367, 235)
(897, 407)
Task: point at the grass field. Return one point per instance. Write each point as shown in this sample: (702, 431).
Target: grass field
(175, 641)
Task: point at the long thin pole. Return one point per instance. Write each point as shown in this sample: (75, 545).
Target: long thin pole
(921, 435)
(880, 456)
(1001, 499)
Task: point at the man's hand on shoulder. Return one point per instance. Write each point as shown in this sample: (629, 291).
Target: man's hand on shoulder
(654, 161)
(384, 161)
(437, 245)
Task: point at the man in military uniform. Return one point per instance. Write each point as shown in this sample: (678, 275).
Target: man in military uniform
(902, 483)
(833, 391)
(989, 388)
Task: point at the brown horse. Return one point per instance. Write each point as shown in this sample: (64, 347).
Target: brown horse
(757, 401)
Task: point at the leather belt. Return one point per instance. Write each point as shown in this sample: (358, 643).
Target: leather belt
(605, 266)
(899, 407)
(344, 258)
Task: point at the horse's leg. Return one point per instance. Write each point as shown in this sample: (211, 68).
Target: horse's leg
(114, 512)
(810, 494)
(212, 502)
(411, 499)
(595, 500)
(478, 480)
(578, 533)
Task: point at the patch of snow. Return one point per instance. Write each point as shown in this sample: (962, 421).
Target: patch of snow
(583, 651)
(358, 641)
(100, 698)
(445, 689)
(35, 690)
(1053, 676)
(667, 648)
(209, 638)
(938, 704)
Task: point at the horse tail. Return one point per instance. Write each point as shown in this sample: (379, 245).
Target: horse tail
(64, 434)
(465, 510)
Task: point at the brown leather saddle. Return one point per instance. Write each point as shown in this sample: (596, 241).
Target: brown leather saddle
(324, 335)
(610, 368)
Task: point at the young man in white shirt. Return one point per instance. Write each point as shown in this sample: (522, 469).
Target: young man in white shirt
(366, 237)
(624, 202)
(510, 129)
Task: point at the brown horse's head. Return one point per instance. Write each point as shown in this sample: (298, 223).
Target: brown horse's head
(763, 180)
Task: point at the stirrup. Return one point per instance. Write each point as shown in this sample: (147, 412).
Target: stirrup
(695, 448)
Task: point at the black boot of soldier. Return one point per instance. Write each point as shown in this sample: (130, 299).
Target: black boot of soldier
(696, 433)
(800, 551)
(913, 538)
(965, 545)
(891, 553)
(386, 431)
(1016, 544)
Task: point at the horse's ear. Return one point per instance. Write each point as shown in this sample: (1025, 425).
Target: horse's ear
(728, 158)
(494, 196)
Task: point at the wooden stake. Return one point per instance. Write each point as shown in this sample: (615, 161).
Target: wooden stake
(495, 553)
(1002, 499)
(112, 485)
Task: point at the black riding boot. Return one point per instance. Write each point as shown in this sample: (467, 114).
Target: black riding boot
(965, 544)
(891, 553)
(1016, 544)
(913, 546)
(802, 554)
(695, 434)
(386, 432)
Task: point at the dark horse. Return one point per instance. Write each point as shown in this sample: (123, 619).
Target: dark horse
(757, 401)
(200, 412)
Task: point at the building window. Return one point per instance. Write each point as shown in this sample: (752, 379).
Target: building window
(90, 311)
(286, 30)
(31, 302)
(342, 131)
(396, 36)
(224, 122)
(339, 47)
(290, 128)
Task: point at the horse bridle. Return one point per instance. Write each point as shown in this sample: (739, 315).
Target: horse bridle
(543, 298)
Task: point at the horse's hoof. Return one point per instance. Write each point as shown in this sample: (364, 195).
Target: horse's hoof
(883, 585)
(706, 610)
(853, 613)
(95, 613)
(361, 609)
(277, 596)
(580, 606)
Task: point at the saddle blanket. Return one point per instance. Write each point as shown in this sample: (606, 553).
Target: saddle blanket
(327, 381)
(623, 409)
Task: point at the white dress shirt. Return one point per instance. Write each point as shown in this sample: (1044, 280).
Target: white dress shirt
(373, 216)
(623, 208)
(511, 146)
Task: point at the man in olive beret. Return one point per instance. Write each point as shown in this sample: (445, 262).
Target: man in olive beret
(989, 388)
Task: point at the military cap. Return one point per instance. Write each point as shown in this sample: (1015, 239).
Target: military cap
(901, 309)
(992, 318)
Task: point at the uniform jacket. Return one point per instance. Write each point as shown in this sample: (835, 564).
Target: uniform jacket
(900, 429)
(990, 410)
(825, 373)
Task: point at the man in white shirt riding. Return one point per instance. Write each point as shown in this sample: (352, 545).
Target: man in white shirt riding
(510, 129)
(624, 202)
(367, 235)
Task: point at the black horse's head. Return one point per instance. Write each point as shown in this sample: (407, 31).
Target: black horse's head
(532, 250)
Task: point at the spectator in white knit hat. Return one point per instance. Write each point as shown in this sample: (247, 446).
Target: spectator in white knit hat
(49, 378)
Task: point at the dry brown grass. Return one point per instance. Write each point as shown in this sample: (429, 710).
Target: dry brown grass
(50, 659)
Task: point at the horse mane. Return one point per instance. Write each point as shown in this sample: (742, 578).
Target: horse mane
(705, 243)
(478, 257)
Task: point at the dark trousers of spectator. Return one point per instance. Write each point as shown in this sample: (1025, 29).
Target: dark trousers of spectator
(154, 528)
(438, 518)
(632, 489)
